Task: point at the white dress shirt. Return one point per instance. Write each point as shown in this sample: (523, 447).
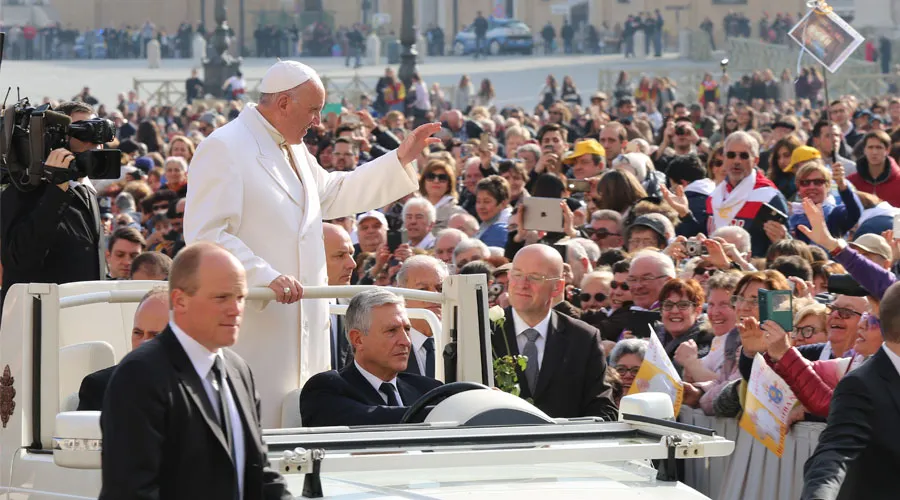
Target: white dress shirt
(519, 326)
(895, 359)
(427, 242)
(376, 383)
(826, 352)
(203, 360)
(418, 339)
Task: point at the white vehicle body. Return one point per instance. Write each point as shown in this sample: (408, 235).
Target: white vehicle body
(54, 335)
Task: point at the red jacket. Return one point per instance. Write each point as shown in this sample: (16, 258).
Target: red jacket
(812, 382)
(886, 187)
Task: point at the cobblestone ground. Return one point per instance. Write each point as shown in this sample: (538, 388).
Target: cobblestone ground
(516, 79)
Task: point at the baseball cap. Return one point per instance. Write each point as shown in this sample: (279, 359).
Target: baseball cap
(803, 154)
(372, 214)
(649, 223)
(144, 164)
(585, 147)
(285, 75)
(873, 243)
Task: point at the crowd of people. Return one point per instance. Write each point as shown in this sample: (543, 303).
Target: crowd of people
(673, 218)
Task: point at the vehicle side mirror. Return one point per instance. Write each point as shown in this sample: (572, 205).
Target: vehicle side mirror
(647, 404)
(77, 440)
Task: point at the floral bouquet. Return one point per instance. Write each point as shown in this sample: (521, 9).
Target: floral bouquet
(505, 377)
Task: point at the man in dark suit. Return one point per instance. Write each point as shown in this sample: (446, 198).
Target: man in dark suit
(566, 366)
(340, 266)
(150, 318)
(373, 389)
(858, 454)
(426, 273)
(181, 415)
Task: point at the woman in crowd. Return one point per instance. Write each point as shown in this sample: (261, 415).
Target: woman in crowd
(176, 174)
(626, 358)
(782, 168)
(814, 183)
(492, 206)
(618, 190)
(181, 146)
(549, 92)
(569, 92)
(681, 302)
(821, 271)
(438, 185)
(715, 166)
(595, 291)
(515, 174)
(486, 94)
(464, 95)
(810, 325)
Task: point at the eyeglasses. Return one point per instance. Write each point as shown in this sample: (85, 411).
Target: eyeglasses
(871, 320)
(737, 300)
(437, 177)
(644, 279)
(844, 313)
(811, 182)
(732, 155)
(708, 271)
(619, 284)
(533, 279)
(622, 370)
(682, 305)
(804, 332)
(598, 297)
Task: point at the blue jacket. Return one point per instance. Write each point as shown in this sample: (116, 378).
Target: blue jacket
(839, 218)
(697, 192)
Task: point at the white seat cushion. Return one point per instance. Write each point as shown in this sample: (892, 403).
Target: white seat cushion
(77, 361)
(290, 410)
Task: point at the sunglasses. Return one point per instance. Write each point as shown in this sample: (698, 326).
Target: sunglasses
(598, 234)
(732, 155)
(871, 320)
(811, 182)
(437, 177)
(598, 297)
(623, 285)
(844, 313)
(708, 271)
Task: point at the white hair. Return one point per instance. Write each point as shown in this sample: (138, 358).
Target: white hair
(430, 212)
(663, 261)
(359, 312)
(470, 222)
(468, 244)
(744, 138)
(451, 232)
(737, 233)
(517, 131)
(607, 214)
(424, 261)
(179, 160)
(592, 249)
(497, 251)
(604, 277)
(638, 347)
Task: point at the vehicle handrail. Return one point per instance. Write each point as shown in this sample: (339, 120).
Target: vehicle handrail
(260, 293)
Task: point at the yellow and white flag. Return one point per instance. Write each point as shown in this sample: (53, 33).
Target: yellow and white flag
(658, 374)
(767, 407)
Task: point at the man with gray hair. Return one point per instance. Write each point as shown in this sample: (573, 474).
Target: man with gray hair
(373, 389)
(738, 200)
(606, 229)
(650, 270)
(469, 250)
(422, 272)
(445, 243)
(418, 219)
(463, 222)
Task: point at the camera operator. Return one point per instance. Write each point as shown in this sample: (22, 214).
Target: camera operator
(52, 234)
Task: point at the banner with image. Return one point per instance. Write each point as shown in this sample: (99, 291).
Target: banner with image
(826, 37)
(658, 374)
(767, 407)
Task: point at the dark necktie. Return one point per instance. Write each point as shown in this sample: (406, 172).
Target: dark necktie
(429, 357)
(218, 371)
(531, 352)
(388, 390)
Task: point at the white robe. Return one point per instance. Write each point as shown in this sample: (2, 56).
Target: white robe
(244, 195)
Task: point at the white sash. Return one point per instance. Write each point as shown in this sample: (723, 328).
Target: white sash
(726, 205)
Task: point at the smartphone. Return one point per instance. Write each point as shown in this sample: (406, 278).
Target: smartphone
(768, 212)
(395, 238)
(776, 305)
(582, 186)
(350, 119)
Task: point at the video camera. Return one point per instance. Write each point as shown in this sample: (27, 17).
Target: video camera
(28, 134)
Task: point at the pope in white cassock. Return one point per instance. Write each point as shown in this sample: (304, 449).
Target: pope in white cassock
(256, 190)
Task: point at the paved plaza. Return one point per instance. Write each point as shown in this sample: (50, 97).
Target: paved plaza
(516, 79)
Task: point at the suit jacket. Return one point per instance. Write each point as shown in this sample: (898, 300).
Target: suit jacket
(858, 454)
(93, 388)
(571, 381)
(345, 352)
(246, 196)
(347, 398)
(161, 436)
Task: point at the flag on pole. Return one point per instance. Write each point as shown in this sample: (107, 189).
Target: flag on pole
(768, 406)
(658, 374)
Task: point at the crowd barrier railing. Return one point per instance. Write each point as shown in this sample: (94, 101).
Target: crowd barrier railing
(752, 472)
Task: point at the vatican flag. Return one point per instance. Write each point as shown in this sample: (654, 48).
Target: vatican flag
(657, 374)
(767, 407)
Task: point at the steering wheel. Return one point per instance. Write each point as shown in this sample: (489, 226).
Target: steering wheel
(437, 395)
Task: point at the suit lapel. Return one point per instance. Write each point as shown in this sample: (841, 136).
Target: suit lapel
(243, 398)
(193, 385)
(889, 374)
(352, 375)
(554, 353)
(408, 393)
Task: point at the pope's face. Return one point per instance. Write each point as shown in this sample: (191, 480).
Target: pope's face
(302, 111)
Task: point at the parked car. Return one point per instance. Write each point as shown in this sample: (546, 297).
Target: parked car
(503, 36)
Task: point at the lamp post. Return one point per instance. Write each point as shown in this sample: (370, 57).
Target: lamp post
(408, 40)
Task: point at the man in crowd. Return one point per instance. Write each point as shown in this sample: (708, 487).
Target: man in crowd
(588, 159)
(426, 273)
(469, 250)
(826, 138)
(150, 318)
(242, 196)
(371, 231)
(153, 266)
(418, 220)
(345, 155)
(691, 185)
(445, 242)
(181, 416)
(373, 389)
(606, 229)
(650, 270)
(564, 375)
(613, 138)
(839, 112)
(340, 266)
(125, 245)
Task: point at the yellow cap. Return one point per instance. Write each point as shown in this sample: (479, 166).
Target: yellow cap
(585, 147)
(801, 155)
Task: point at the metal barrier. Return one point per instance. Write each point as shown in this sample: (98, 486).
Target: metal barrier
(752, 472)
